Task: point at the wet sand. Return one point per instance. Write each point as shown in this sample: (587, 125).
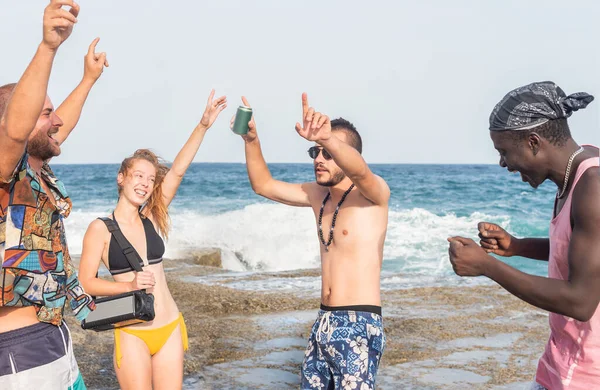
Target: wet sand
(437, 337)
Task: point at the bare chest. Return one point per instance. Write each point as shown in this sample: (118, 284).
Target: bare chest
(351, 225)
(335, 223)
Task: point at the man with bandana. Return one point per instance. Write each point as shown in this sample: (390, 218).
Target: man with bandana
(530, 131)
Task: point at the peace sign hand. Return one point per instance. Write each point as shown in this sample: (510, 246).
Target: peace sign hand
(213, 109)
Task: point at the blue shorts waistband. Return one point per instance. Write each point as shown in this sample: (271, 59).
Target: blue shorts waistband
(366, 308)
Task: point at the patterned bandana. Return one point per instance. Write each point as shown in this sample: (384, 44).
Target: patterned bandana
(535, 104)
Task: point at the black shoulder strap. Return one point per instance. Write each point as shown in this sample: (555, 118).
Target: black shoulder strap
(130, 253)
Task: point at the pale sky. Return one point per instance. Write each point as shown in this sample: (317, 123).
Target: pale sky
(417, 78)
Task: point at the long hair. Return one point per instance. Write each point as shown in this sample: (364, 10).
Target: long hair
(155, 205)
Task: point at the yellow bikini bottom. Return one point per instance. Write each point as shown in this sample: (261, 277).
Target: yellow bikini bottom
(154, 338)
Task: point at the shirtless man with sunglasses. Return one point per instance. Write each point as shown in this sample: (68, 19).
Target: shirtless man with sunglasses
(350, 204)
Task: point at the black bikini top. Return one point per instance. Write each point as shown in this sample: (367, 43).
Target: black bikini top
(155, 249)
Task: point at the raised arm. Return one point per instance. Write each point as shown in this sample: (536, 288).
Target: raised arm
(317, 127)
(188, 152)
(70, 110)
(91, 255)
(577, 297)
(27, 100)
(260, 177)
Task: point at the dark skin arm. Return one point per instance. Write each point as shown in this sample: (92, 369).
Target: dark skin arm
(577, 297)
(533, 248)
(496, 240)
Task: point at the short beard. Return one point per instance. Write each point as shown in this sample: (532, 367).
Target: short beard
(335, 179)
(40, 147)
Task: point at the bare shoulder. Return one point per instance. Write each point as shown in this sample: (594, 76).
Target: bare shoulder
(589, 182)
(97, 230)
(314, 190)
(97, 226)
(587, 193)
(595, 150)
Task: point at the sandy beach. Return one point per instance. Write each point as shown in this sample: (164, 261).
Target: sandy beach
(437, 337)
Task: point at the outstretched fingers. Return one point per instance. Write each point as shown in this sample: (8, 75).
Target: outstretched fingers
(210, 98)
(219, 101)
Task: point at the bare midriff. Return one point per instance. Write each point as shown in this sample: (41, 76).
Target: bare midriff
(12, 318)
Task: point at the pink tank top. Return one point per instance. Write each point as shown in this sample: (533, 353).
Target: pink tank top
(572, 356)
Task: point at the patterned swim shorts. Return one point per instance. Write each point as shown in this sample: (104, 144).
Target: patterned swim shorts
(344, 348)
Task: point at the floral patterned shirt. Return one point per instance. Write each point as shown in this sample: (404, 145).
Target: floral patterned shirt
(35, 266)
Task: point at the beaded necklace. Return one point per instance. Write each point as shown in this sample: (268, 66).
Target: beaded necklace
(337, 209)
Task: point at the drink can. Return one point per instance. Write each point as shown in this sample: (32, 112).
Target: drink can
(242, 117)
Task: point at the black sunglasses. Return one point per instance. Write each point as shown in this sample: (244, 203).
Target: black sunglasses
(314, 151)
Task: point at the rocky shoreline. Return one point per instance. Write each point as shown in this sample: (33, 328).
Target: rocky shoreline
(437, 337)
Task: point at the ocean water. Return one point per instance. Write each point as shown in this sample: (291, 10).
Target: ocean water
(215, 207)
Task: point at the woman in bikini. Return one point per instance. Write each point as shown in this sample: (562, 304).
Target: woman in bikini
(147, 355)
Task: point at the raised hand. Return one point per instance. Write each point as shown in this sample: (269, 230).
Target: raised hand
(467, 258)
(94, 63)
(213, 109)
(496, 240)
(315, 126)
(58, 22)
(251, 135)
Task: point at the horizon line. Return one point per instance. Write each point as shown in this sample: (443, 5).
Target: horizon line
(272, 163)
